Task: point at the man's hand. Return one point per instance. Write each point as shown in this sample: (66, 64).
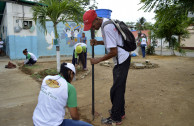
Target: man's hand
(93, 42)
(94, 60)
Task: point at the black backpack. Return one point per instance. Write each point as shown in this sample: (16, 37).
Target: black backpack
(128, 38)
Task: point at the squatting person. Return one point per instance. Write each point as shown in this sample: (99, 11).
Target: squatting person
(30, 57)
(55, 95)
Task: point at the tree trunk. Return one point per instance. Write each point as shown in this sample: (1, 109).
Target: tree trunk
(173, 53)
(57, 48)
(179, 40)
(161, 48)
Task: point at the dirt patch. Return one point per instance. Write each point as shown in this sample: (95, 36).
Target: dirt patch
(39, 71)
(134, 65)
(162, 96)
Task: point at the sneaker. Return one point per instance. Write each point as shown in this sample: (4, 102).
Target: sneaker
(110, 121)
(110, 112)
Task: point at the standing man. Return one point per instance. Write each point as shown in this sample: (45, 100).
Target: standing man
(83, 39)
(121, 58)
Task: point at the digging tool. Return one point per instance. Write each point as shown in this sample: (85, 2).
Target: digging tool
(92, 36)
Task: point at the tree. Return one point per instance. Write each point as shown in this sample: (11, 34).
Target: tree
(148, 25)
(167, 28)
(130, 23)
(186, 5)
(171, 19)
(57, 11)
(140, 24)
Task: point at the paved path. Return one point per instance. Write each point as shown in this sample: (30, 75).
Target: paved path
(167, 52)
(18, 91)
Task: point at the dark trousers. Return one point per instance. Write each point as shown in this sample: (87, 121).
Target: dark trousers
(143, 50)
(70, 122)
(117, 92)
(84, 63)
(31, 61)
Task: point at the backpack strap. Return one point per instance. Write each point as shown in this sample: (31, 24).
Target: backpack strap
(107, 22)
(116, 26)
(111, 22)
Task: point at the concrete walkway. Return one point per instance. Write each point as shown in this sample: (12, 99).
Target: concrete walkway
(18, 91)
(167, 52)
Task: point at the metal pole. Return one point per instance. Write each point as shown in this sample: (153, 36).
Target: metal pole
(92, 36)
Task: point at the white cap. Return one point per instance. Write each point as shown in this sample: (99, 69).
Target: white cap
(71, 67)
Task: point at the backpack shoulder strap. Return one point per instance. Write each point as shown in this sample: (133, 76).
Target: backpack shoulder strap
(107, 22)
(111, 22)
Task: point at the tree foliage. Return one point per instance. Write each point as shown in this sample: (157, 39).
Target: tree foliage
(171, 19)
(142, 24)
(173, 24)
(186, 5)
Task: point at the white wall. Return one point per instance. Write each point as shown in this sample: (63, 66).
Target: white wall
(189, 42)
(161, 42)
(19, 12)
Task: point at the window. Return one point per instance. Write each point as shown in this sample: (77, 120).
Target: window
(27, 24)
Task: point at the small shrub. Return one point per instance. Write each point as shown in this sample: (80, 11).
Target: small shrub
(150, 50)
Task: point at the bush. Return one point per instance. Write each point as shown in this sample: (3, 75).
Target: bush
(150, 50)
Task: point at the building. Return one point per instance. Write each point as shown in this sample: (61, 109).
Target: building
(189, 42)
(19, 31)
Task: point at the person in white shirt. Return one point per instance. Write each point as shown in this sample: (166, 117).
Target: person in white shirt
(30, 57)
(121, 59)
(143, 45)
(55, 95)
(1, 46)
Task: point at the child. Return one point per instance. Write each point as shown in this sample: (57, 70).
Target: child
(30, 57)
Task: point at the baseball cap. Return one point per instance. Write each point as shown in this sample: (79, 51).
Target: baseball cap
(71, 67)
(78, 49)
(88, 18)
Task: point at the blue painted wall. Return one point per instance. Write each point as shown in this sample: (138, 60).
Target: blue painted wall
(16, 44)
(69, 35)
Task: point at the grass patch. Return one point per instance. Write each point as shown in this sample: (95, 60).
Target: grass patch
(31, 70)
(46, 72)
(31, 67)
(37, 76)
(42, 74)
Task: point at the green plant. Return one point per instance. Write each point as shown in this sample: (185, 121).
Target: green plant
(150, 50)
(37, 76)
(58, 11)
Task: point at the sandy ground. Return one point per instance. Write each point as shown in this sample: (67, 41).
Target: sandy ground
(162, 96)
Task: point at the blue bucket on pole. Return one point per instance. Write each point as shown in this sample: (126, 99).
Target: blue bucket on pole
(104, 13)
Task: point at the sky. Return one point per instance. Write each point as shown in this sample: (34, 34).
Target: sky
(125, 10)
